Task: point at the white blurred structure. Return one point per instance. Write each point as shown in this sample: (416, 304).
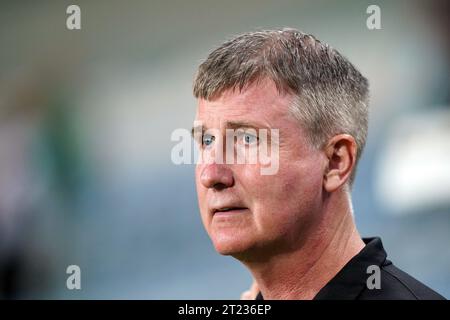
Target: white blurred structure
(414, 171)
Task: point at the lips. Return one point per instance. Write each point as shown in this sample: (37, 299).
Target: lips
(229, 209)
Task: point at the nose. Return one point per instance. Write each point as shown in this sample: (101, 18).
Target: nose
(217, 176)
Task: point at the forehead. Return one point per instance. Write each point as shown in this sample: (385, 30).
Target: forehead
(260, 102)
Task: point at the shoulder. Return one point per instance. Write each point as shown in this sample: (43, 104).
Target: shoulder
(398, 285)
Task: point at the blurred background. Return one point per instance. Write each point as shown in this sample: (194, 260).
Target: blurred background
(86, 117)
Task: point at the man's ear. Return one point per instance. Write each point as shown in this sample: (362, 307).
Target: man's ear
(341, 156)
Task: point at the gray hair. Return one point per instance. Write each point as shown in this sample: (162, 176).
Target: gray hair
(331, 95)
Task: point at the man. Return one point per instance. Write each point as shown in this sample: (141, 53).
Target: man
(294, 228)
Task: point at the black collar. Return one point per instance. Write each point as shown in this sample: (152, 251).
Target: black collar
(348, 283)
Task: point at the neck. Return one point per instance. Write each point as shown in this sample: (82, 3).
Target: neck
(325, 249)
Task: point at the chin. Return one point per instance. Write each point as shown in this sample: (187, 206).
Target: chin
(231, 245)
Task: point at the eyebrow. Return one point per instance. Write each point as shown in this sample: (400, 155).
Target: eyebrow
(234, 125)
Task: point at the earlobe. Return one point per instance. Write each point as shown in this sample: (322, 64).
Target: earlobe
(341, 155)
(332, 181)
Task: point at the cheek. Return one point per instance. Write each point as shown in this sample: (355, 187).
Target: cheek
(292, 194)
(201, 193)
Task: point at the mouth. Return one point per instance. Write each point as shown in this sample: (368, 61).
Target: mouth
(228, 210)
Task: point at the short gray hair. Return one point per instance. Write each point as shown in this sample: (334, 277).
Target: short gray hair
(331, 95)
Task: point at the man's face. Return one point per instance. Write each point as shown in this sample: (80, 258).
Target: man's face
(270, 212)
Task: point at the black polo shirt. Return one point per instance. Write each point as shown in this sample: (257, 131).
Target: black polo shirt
(351, 282)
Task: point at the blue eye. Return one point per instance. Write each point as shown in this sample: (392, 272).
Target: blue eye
(250, 138)
(208, 139)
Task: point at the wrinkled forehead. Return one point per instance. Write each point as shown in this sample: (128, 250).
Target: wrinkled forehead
(258, 102)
